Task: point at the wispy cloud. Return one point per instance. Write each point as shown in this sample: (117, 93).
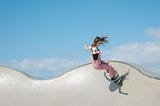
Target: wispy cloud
(43, 68)
(146, 55)
(153, 32)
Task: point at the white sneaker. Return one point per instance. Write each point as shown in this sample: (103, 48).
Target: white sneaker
(115, 78)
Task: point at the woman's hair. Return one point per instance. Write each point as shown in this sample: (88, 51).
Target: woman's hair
(103, 39)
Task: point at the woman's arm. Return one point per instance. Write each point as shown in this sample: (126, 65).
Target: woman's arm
(87, 47)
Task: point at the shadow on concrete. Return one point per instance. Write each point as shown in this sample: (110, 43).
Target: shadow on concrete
(114, 86)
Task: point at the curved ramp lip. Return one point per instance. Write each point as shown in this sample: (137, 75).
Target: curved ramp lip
(19, 71)
(138, 68)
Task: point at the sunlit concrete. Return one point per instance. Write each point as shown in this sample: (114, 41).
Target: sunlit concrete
(82, 86)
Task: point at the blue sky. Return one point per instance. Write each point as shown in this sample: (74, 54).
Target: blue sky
(37, 34)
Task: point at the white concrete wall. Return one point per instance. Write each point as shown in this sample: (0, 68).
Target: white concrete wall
(83, 86)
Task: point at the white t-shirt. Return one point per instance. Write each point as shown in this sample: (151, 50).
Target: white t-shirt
(94, 49)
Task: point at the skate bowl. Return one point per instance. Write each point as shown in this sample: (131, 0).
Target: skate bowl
(82, 86)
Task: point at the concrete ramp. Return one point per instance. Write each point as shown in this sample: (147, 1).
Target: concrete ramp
(83, 86)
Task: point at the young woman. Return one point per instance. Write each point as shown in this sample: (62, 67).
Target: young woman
(96, 58)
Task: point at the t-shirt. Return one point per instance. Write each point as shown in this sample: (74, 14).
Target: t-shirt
(94, 49)
(95, 56)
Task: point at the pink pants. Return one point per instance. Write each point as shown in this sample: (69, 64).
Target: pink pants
(102, 65)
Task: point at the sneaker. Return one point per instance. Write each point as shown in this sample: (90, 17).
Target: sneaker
(115, 78)
(107, 71)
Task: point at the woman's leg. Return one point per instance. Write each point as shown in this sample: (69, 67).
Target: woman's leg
(105, 66)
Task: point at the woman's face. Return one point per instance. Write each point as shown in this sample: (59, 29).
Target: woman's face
(99, 43)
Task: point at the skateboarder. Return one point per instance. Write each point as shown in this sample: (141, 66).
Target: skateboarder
(96, 58)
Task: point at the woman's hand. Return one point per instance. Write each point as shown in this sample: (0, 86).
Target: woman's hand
(87, 47)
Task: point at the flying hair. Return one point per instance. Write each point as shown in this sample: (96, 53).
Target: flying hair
(103, 39)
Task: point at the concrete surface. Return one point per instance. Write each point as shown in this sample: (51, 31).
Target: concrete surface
(83, 86)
